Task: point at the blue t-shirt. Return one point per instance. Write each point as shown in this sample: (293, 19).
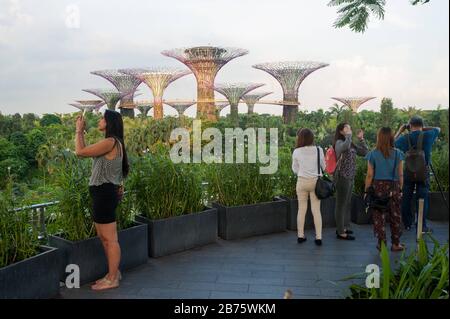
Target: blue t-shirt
(429, 137)
(384, 167)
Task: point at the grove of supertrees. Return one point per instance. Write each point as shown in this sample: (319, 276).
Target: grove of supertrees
(234, 93)
(180, 106)
(205, 62)
(124, 84)
(290, 75)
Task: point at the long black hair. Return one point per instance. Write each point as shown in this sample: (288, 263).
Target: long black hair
(338, 135)
(114, 128)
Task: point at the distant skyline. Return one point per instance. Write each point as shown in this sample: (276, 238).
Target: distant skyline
(46, 57)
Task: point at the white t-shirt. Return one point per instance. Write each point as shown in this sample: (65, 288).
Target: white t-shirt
(304, 161)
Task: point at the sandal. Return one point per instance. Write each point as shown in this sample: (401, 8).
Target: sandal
(98, 280)
(105, 284)
(399, 247)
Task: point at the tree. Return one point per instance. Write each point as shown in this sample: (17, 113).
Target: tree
(49, 119)
(387, 112)
(355, 14)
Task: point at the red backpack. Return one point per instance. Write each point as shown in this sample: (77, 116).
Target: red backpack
(330, 161)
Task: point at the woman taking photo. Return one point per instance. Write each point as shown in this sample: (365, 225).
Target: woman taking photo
(344, 176)
(384, 181)
(110, 166)
(304, 165)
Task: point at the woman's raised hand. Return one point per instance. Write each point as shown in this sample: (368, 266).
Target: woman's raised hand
(80, 124)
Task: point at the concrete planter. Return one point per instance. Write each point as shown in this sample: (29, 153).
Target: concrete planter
(32, 278)
(250, 220)
(359, 215)
(175, 234)
(89, 254)
(438, 210)
(326, 209)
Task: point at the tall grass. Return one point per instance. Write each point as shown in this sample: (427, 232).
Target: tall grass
(162, 189)
(18, 239)
(421, 275)
(286, 178)
(73, 219)
(239, 184)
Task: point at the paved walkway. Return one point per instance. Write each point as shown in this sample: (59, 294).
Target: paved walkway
(258, 267)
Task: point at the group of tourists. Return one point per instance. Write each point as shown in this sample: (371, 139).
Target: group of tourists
(398, 166)
(386, 178)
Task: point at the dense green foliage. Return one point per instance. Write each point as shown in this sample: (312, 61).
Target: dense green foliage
(421, 275)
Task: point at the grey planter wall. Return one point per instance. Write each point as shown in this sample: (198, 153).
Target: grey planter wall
(250, 220)
(175, 234)
(359, 215)
(326, 209)
(89, 254)
(438, 210)
(32, 278)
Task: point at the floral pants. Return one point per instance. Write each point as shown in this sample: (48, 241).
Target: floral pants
(392, 213)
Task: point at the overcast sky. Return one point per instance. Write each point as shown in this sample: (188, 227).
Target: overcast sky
(45, 58)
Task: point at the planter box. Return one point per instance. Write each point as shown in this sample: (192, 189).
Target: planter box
(326, 209)
(359, 215)
(32, 278)
(250, 220)
(175, 234)
(438, 210)
(89, 254)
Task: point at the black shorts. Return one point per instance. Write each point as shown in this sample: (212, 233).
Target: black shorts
(104, 203)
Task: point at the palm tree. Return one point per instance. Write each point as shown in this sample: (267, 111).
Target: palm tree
(411, 111)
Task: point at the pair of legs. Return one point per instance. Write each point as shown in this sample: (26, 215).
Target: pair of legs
(306, 188)
(422, 190)
(392, 213)
(109, 238)
(344, 187)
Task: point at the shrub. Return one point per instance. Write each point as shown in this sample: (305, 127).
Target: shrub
(440, 165)
(286, 179)
(239, 184)
(18, 239)
(163, 189)
(421, 275)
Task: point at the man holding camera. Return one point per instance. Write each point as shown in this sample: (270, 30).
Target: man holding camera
(418, 142)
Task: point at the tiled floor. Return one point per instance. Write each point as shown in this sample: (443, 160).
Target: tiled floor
(257, 267)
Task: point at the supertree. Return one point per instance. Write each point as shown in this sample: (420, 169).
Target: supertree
(157, 79)
(251, 99)
(205, 62)
(180, 106)
(354, 103)
(124, 83)
(220, 106)
(109, 96)
(290, 75)
(143, 107)
(88, 105)
(234, 92)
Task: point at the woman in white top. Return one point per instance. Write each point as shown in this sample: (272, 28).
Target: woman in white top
(304, 165)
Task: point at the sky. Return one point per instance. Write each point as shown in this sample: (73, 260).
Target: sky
(48, 48)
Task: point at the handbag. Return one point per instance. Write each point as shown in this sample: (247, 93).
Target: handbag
(324, 186)
(372, 201)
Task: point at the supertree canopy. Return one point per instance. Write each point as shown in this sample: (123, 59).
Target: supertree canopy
(88, 105)
(234, 92)
(205, 62)
(354, 103)
(109, 96)
(290, 75)
(251, 99)
(181, 106)
(157, 79)
(124, 83)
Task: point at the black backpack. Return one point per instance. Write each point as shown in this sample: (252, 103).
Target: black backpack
(415, 163)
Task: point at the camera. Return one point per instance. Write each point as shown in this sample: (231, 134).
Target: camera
(408, 126)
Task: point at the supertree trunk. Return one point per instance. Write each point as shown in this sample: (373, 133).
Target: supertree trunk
(158, 108)
(290, 112)
(205, 106)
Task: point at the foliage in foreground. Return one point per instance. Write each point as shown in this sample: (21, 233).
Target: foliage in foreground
(421, 275)
(18, 239)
